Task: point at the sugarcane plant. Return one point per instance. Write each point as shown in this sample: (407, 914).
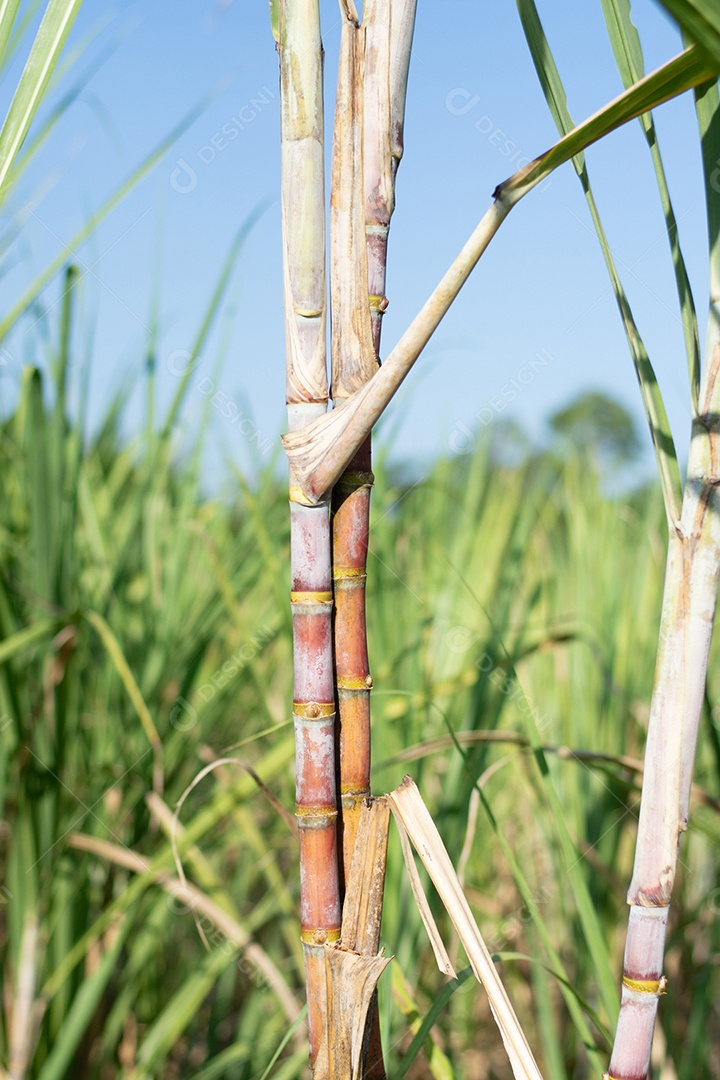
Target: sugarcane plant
(693, 555)
(331, 479)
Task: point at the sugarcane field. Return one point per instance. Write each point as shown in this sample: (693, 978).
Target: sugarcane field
(359, 540)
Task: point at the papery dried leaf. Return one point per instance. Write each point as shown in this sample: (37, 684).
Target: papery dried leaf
(362, 909)
(351, 982)
(414, 818)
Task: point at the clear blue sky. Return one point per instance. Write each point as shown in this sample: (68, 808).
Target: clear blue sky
(541, 288)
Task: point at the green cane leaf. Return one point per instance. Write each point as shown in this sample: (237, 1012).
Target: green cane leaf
(275, 18)
(51, 36)
(689, 66)
(700, 19)
(627, 50)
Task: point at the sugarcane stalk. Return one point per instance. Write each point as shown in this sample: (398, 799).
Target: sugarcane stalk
(686, 629)
(321, 453)
(303, 213)
(353, 363)
(690, 596)
(367, 147)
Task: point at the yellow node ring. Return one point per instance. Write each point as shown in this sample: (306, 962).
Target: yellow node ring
(646, 986)
(319, 937)
(311, 597)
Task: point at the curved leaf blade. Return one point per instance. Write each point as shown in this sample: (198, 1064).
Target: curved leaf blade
(700, 19)
(51, 36)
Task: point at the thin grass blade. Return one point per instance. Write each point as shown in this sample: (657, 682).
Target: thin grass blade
(549, 77)
(700, 19)
(95, 219)
(51, 36)
(627, 49)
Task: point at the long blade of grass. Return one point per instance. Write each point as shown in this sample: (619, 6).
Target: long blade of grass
(8, 11)
(557, 966)
(212, 309)
(627, 49)
(180, 1010)
(120, 193)
(28, 637)
(276, 761)
(116, 654)
(44, 129)
(684, 72)
(51, 36)
(587, 912)
(26, 16)
(285, 1040)
(84, 1006)
(554, 92)
(700, 19)
(422, 1034)
(708, 112)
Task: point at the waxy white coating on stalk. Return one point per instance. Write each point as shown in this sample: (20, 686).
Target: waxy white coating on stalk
(353, 355)
(303, 213)
(689, 602)
(318, 744)
(644, 948)
(644, 953)
(686, 631)
(303, 199)
(401, 36)
(378, 173)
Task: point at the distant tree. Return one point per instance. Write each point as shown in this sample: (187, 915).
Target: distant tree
(600, 425)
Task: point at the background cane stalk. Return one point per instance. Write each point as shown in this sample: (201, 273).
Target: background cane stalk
(303, 204)
(690, 596)
(693, 556)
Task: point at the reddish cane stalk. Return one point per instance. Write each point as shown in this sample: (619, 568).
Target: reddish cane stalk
(371, 99)
(353, 363)
(375, 62)
(303, 205)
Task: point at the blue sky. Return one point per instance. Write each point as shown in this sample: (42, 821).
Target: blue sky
(538, 301)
